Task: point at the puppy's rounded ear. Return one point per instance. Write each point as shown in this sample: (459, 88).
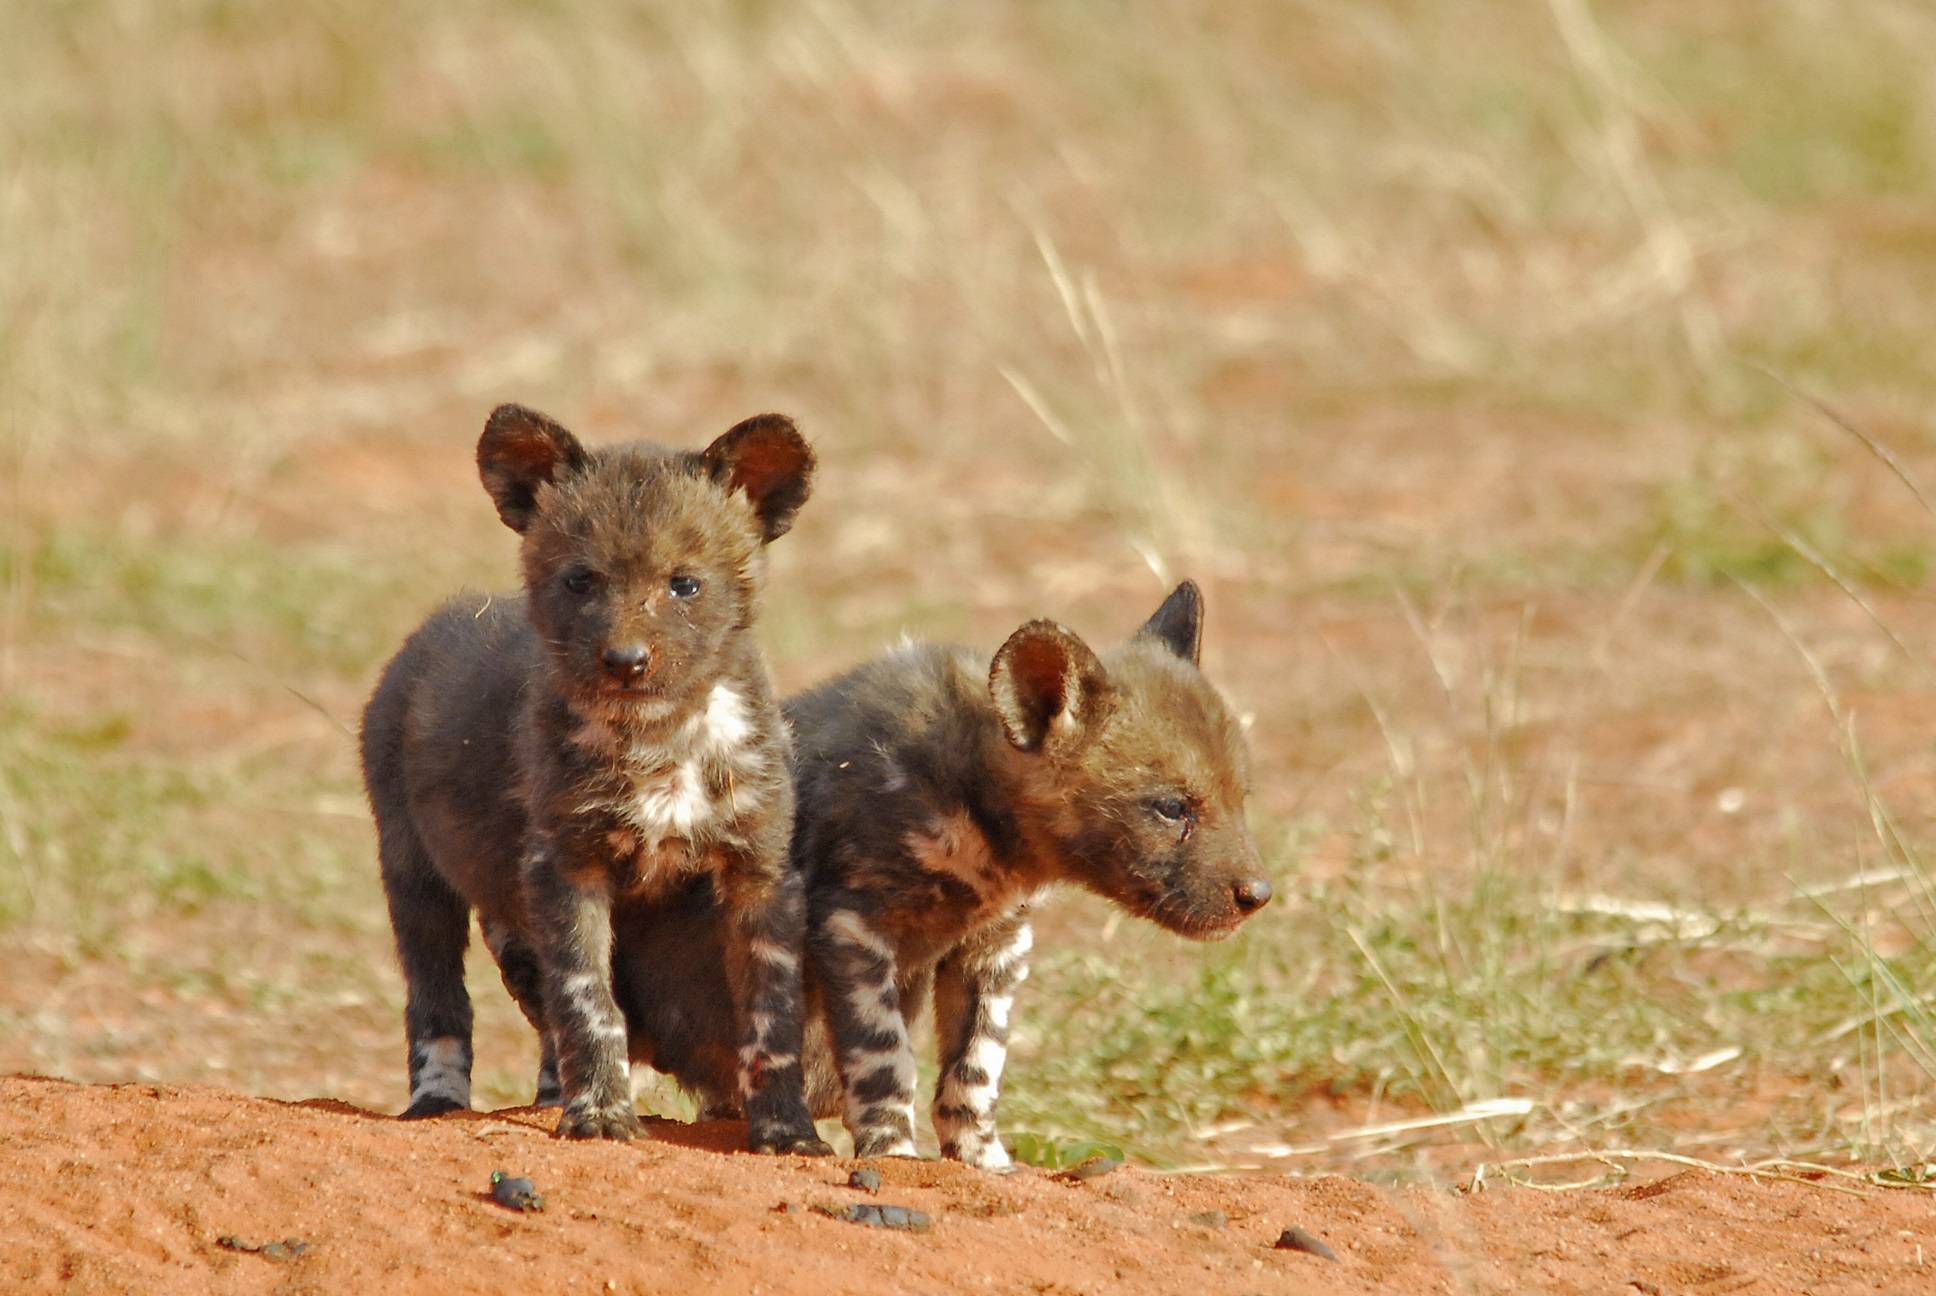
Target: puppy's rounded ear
(768, 459)
(1178, 624)
(1050, 689)
(520, 451)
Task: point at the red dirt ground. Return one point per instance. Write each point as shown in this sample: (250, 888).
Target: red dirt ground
(126, 1188)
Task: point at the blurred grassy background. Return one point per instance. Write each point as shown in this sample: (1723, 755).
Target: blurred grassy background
(1451, 347)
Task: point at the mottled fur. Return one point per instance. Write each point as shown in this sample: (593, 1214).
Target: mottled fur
(600, 741)
(939, 793)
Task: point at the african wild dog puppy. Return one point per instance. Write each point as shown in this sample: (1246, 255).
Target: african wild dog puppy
(595, 742)
(939, 793)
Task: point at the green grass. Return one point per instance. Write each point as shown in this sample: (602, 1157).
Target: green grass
(297, 610)
(1714, 539)
(104, 836)
(1423, 1002)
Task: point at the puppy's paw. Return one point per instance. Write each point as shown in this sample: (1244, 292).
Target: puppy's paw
(610, 1121)
(883, 1143)
(784, 1142)
(432, 1105)
(982, 1153)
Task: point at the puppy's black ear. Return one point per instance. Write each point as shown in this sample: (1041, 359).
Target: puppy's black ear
(768, 459)
(1178, 624)
(520, 451)
(1049, 688)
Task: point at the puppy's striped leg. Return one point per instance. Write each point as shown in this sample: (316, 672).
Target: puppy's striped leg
(766, 931)
(572, 930)
(856, 968)
(974, 989)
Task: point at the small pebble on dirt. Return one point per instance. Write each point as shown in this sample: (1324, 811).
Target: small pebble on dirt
(283, 1249)
(881, 1215)
(1093, 1168)
(515, 1193)
(1296, 1239)
(1210, 1219)
(865, 1179)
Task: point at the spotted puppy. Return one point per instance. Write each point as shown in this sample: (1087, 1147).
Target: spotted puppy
(598, 742)
(939, 793)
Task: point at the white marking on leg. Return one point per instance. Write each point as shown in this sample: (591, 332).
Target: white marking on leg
(751, 1057)
(984, 1152)
(1012, 958)
(987, 1054)
(851, 929)
(1024, 942)
(964, 1117)
(443, 1071)
(866, 1002)
(897, 1058)
(774, 953)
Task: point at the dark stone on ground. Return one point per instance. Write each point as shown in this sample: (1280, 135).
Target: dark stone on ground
(1093, 1168)
(1296, 1239)
(518, 1194)
(865, 1179)
(881, 1215)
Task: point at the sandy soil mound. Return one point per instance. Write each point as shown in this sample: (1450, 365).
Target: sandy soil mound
(135, 1188)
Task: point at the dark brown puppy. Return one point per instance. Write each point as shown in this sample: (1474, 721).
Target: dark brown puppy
(600, 740)
(939, 792)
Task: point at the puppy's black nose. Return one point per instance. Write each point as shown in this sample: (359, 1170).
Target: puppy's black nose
(1251, 894)
(626, 663)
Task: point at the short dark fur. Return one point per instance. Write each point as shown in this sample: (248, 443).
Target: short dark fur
(938, 793)
(599, 742)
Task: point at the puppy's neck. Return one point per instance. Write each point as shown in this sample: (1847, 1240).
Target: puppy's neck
(612, 726)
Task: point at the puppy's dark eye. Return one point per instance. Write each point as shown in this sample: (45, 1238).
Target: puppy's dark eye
(683, 587)
(1172, 809)
(580, 580)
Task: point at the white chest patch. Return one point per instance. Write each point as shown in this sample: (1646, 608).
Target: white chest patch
(669, 796)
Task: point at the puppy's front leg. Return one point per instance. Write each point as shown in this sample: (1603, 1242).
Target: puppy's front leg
(974, 988)
(571, 917)
(856, 967)
(766, 929)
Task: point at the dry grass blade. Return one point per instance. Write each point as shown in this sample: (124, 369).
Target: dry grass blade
(1421, 1040)
(1484, 1109)
(1884, 455)
(1815, 558)
(1809, 1173)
